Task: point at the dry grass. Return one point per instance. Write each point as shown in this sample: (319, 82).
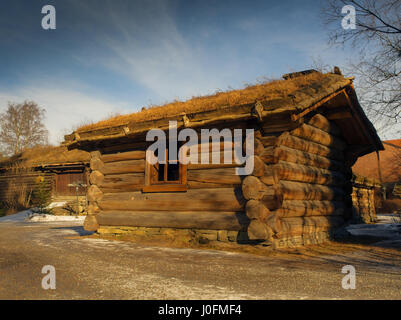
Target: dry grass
(275, 89)
(43, 155)
(18, 197)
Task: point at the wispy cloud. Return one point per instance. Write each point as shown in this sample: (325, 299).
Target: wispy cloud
(65, 108)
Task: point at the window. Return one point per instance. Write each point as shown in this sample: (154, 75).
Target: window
(165, 177)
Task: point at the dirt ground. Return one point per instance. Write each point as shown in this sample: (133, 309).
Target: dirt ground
(88, 267)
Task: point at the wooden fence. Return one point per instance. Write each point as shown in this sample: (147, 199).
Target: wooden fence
(13, 184)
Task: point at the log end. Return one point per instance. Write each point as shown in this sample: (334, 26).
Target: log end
(90, 223)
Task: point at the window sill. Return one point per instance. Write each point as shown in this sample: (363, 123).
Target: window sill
(165, 188)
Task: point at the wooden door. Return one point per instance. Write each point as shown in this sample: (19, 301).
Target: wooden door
(64, 179)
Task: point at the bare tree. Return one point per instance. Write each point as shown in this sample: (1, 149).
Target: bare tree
(377, 65)
(21, 127)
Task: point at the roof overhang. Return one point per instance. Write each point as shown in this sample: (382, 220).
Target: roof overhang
(336, 99)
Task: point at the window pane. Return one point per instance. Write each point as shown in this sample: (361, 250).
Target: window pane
(173, 172)
(160, 175)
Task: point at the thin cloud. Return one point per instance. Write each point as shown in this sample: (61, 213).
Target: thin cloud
(65, 108)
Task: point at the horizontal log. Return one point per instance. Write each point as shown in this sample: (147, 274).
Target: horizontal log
(316, 135)
(217, 176)
(122, 156)
(308, 224)
(121, 181)
(322, 123)
(209, 147)
(297, 172)
(111, 147)
(278, 127)
(302, 231)
(208, 185)
(290, 141)
(221, 193)
(129, 166)
(269, 141)
(226, 160)
(172, 204)
(210, 220)
(269, 155)
(193, 166)
(219, 199)
(268, 178)
(272, 155)
(122, 189)
(299, 208)
(288, 190)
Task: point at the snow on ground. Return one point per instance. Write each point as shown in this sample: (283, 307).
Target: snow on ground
(30, 216)
(388, 226)
(49, 217)
(56, 204)
(389, 218)
(17, 217)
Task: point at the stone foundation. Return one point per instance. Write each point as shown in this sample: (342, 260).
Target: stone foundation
(171, 234)
(298, 241)
(205, 236)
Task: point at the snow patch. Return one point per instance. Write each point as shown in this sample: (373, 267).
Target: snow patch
(56, 204)
(29, 216)
(387, 231)
(16, 217)
(49, 217)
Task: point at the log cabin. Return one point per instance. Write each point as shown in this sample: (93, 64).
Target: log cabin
(309, 129)
(57, 165)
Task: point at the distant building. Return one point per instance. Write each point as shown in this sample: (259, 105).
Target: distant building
(58, 166)
(390, 165)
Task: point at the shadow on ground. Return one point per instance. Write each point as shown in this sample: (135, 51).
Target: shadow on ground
(78, 229)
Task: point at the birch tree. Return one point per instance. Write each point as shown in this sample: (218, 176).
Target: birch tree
(22, 127)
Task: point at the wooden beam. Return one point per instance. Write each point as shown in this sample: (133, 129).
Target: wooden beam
(295, 117)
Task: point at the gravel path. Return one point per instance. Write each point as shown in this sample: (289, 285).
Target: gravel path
(89, 268)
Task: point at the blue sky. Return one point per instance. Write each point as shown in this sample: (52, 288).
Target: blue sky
(108, 57)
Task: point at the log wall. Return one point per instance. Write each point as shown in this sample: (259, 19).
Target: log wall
(300, 187)
(304, 187)
(213, 199)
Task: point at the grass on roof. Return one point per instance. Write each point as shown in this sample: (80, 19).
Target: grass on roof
(44, 155)
(270, 90)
